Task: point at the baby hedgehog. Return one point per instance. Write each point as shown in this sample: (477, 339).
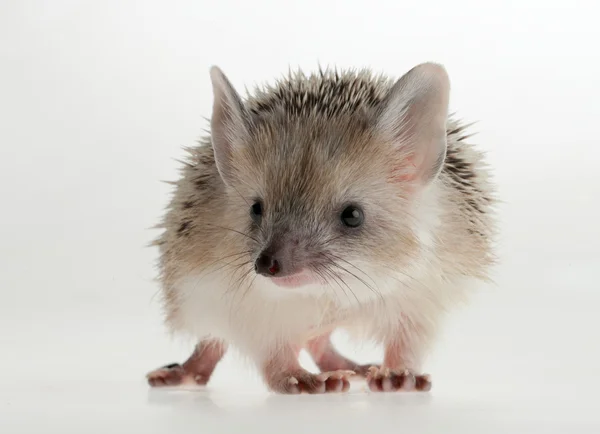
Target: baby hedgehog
(333, 200)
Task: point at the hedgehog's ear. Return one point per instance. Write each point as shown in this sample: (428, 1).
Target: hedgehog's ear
(414, 119)
(228, 124)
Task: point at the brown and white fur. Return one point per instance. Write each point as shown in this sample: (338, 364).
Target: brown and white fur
(305, 150)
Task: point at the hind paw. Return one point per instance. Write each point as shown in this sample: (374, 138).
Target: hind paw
(305, 382)
(387, 380)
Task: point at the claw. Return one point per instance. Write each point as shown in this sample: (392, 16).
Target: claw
(305, 382)
(386, 380)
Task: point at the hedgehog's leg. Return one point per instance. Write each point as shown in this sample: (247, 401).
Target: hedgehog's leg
(196, 370)
(283, 374)
(327, 358)
(401, 370)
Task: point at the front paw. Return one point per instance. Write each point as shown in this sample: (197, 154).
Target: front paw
(301, 381)
(175, 375)
(388, 380)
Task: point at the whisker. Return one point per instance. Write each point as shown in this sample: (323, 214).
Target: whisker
(354, 266)
(328, 241)
(237, 268)
(232, 263)
(326, 282)
(240, 280)
(376, 292)
(329, 273)
(237, 255)
(349, 287)
(249, 286)
(244, 293)
(234, 230)
(338, 279)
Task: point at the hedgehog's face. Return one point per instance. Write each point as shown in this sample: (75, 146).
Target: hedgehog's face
(320, 209)
(327, 203)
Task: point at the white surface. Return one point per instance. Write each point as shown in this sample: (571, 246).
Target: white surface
(97, 99)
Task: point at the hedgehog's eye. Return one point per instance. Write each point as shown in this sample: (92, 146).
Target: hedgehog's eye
(352, 216)
(256, 211)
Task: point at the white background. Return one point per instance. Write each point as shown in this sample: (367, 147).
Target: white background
(98, 98)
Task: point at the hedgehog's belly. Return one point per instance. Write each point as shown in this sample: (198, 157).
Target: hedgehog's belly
(251, 318)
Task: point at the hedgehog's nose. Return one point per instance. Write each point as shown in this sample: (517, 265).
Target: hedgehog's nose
(267, 265)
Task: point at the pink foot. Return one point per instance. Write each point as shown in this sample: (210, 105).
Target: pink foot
(195, 371)
(387, 380)
(304, 382)
(175, 375)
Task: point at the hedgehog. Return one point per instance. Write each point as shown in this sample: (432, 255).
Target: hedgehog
(333, 200)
